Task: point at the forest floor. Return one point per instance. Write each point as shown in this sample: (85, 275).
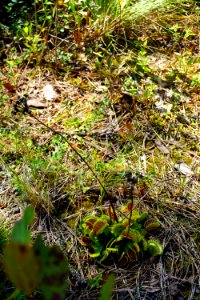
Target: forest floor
(135, 122)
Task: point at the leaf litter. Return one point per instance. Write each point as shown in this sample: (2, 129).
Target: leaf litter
(116, 132)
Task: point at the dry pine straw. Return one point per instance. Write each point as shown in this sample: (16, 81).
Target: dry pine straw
(175, 275)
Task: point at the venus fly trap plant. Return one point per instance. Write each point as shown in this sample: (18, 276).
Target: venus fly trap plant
(125, 241)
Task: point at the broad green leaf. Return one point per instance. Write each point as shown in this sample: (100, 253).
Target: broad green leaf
(106, 291)
(21, 266)
(20, 232)
(28, 215)
(53, 270)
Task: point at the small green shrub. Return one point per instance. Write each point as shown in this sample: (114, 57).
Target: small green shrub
(125, 240)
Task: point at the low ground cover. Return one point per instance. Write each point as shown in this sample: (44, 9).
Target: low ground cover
(113, 117)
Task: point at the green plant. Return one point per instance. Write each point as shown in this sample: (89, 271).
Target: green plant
(4, 283)
(125, 240)
(48, 265)
(14, 12)
(106, 290)
(32, 41)
(3, 236)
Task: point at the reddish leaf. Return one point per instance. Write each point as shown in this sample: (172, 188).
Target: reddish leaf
(151, 224)
(99, 226)
(77, 36)
(123, 261)
(85, 241)
(129, 207)
(111, 214)
(132, 255)
(11, 88)
(90, 222)
(127, 235)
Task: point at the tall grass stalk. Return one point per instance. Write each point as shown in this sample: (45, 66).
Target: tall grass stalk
(143, 8)
(126, 13)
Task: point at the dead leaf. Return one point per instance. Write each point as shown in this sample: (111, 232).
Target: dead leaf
(162, 107)
(60, 2)
(49, 93)
(161, 147)
(36, 104)
(77, 37)
(11, 88)
(184, 169)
